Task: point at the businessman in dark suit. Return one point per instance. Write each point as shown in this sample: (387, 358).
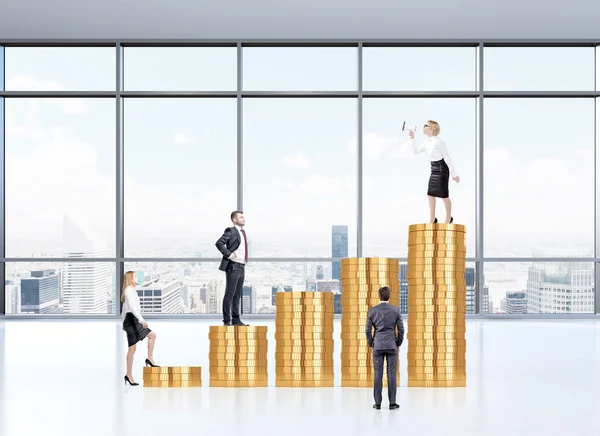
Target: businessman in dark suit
(233, 245)
(386, 320)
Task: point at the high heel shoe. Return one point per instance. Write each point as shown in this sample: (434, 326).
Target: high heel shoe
(435, 221)
(148, 363)
(451, 220)
(129, 381)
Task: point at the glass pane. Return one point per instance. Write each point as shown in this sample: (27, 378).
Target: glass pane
(470, 278)
(199, 287)
(60, 177)
(179, 190)
(540, 287)
(539, 177)
(538, 69)
(60, 68)
(180, 68)
(395, 180)
(300, 68)
(59, 288)
(300, 176)
(412, 69)
(179, 287)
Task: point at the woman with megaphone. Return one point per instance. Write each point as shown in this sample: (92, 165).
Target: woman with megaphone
(441, 168)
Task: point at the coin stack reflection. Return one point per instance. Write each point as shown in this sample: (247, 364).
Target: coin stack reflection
(436, 305)
(361, 279)
(238, 356)
(173, 377)
(304, 339)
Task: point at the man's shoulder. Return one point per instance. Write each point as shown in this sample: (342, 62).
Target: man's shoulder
(392, 308)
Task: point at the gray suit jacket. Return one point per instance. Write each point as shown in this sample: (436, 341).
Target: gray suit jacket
(384, 318)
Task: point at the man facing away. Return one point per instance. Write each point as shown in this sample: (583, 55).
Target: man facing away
(385, 319)
(233, 245)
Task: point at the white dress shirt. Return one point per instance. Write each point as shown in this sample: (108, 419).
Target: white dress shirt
(436, 150)
(240, 253)
(132, 304)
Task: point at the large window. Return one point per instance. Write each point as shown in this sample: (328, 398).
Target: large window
(300, 68)
(419, 69)
(519, 288)
(78, 287)
(129, 156)
(539, 177)
(538, 69)
(60, 177)
(180, 69)
(300, 176)
(180, 175)
(60, 68)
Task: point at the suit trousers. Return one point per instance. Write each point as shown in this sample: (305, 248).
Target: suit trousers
(234, 283)
(391, 356)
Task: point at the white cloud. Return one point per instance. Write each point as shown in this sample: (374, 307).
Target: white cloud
(585, 153)
(182, 139)
(72, 106)
(497, 159)
(403, 151)
(297, 160)
(283, 183)
(28, 83)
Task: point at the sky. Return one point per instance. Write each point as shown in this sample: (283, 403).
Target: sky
(300, 162)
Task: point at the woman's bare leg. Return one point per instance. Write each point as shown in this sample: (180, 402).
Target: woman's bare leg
(151, 340)
(431, 208)
(448, 205)
(130, 353)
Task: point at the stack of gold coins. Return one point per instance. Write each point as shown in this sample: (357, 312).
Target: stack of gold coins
(238, 356)
(436, 305)
(172, 376)
(304, 339)
(361, 279)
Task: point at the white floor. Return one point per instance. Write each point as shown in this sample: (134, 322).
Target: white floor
(66, 378)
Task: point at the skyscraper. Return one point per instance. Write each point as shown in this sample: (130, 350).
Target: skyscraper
(39, 293)
(470, 279)
(339, 248)
(560, 288)
(86, 286)
(160, 296)
(402, 276)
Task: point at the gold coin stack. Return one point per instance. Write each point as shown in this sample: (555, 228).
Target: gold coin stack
(172, 377)
(238, 356)
(361, 279)
(304, 339)
(436, 305)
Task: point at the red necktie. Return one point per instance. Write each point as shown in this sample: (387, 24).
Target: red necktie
(245, 246)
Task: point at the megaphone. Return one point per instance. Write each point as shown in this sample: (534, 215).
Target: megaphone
(408, 127)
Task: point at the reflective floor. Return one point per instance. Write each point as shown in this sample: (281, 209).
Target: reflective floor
(66, 378)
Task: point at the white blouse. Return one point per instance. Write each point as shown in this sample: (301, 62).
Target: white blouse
(436, 150)
(132, 304)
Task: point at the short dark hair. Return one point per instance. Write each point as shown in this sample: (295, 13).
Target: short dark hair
(384, 293)
(235, 214)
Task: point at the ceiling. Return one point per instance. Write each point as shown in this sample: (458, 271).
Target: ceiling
(294, 19)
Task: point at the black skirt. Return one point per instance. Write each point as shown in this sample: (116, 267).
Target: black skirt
(438, 181)
(134, 329)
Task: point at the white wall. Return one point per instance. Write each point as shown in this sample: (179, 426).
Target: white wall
(295, 19)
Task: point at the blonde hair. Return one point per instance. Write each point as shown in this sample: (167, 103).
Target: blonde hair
(434, 127)
(127, 282)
